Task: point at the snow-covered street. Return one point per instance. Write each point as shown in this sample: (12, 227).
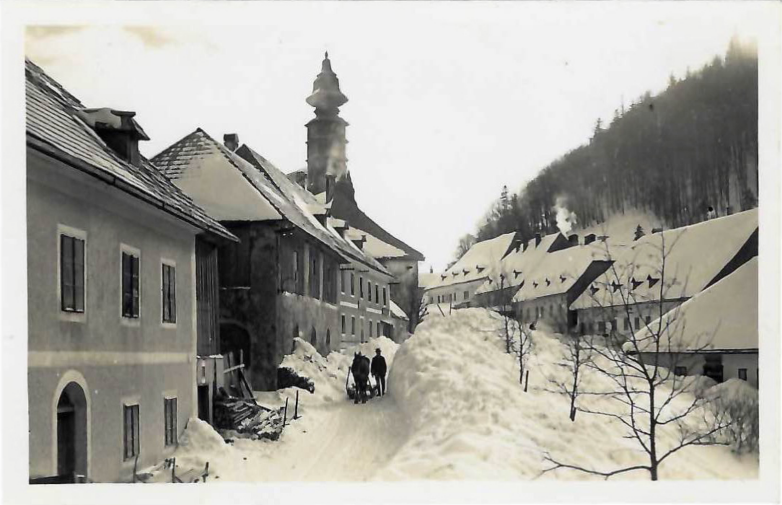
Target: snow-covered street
(455, 410)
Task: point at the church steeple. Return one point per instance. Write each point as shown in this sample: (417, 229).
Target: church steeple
(326, 161)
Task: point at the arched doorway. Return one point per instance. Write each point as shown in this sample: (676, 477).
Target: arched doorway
(72, 431)
(236, 340)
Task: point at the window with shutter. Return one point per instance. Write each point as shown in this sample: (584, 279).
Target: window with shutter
(170, 415)
(132, 446)
(169, 293)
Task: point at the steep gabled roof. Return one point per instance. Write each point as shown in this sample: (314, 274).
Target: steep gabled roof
(308, 204)
(722, 317)
(345, 207)
(694, 255)
(558, 271)
(479, 262)
(54, 127)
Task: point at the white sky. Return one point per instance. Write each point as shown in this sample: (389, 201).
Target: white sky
(448, 101)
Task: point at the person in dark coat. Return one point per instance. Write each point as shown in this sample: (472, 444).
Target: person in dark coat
(379, 372)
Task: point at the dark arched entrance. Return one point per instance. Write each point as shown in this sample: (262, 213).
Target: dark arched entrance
(314, 338)
(72, 431)
(236, 340)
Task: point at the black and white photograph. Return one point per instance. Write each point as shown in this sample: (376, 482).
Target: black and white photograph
(343, 252)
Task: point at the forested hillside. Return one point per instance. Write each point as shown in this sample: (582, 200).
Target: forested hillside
(675, 154)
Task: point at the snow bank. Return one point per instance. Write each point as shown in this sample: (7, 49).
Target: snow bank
(470, 419)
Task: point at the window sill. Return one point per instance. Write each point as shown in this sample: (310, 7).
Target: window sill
(168, 326)
(73, 317)
(130, 322)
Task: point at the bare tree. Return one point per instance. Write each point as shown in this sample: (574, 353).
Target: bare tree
(577, 357)
(646, 395)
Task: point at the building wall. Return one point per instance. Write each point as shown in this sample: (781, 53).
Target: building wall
(590, 319)
(405, 293)
(731, 363)
(252, 303)
(550, 310)
(366, 311)
(111, 359)
(454, 293)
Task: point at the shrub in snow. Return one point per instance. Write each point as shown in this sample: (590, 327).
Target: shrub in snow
(736, 403)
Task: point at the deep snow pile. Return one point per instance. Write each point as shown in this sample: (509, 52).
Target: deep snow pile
(469, 417)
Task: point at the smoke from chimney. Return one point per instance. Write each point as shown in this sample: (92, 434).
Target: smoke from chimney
(566, 220)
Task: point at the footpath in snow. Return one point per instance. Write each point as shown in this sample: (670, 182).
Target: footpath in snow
(455, 410)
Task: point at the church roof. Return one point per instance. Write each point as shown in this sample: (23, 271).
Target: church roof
(325, 90)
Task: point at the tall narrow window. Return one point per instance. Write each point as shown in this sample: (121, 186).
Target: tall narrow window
(353, 325)
(296, 273)
(169, 412)
(314, 275)
(130, 285)
(352, 284)
(378, 329)
(131, 445)
(169, 293)
(360, 287)
(71, 274)
(342, 281)
(385, 300)
(369, 291)
(377, 294)
(343, 324)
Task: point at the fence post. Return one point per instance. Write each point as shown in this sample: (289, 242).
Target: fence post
(526, 380)
(285, 413)
(173, 471)
(296, 408)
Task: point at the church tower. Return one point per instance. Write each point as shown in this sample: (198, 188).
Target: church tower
(326, 160)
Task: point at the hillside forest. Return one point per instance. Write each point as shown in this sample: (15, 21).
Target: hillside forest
(691, 147)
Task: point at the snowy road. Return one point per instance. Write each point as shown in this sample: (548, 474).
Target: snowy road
(335, 442)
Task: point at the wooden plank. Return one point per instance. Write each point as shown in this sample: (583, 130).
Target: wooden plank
(237, 367)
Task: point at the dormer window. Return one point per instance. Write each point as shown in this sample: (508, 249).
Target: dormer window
(615, 286)
(534, 284)
(635, 283)
(454, 273)
(443, 277)
(593, 289)
(652, 280)
(548, 282)
(465, 271)
(479, 268)
(562, 278)
(516, 273)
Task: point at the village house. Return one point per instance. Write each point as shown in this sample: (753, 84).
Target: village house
(500, 288)
(457, 285)
(714, 333)
(282, 281)
(111, 262)
(328, 178)
(364, 284)
(546, 291)
(660, 271)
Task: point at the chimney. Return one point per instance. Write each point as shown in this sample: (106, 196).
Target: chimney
(537, 239)
(572, 240)
(342, 229)
(118, 130)
(588, 239)
(231, 141)
(322, 219)
(360, 242)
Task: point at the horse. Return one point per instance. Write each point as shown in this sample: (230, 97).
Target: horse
(360, 370)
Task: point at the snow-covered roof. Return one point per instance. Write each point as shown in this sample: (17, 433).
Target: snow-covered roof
(376, 247)
(558, 271)
(694, 256)
(479, 262)
(724, 316)
(426, 279)
(397, 311)
(520, 262)
(55, 122)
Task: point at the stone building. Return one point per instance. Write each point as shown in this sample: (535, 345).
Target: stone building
(111, 262)
(282, 281)
(328, 178)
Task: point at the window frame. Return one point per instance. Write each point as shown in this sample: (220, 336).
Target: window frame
(131, 251)
(77, 234)
(739, 374)
(135, 429)
(170, 436)
(170, 323)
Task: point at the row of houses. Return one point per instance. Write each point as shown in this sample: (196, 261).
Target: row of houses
(616, 286)
(149, 279)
